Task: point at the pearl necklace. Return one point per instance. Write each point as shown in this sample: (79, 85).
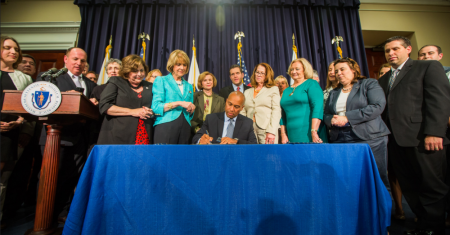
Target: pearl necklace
(347, 88)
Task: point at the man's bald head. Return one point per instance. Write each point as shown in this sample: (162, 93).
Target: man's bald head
(239, 94)
(234, 104)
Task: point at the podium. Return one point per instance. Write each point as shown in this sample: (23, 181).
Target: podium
(75, 107)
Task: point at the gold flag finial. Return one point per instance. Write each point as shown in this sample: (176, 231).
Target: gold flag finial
(143, 36)
(336, 40)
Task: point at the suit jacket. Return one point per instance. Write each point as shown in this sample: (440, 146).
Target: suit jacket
(71, 134)
(225, 92)
(265, 107)
(217, 106)
(165, 90)
(365, 104)
(122, 129)
(417, 103)
(243, 129)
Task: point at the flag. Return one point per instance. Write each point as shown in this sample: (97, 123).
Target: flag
(194, 72)
(103, 77)
(247, 81)
(294, 57)
(142, 55)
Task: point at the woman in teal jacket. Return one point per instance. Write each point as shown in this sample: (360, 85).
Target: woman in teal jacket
(172, 103)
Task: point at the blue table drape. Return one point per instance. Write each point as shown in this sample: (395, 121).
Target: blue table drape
(255, 189)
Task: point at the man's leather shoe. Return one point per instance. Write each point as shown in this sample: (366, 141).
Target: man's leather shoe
(62, 220)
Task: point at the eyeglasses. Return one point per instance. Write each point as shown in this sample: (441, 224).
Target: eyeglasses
(260, 73)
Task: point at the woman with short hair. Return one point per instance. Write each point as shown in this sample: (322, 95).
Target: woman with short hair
(172, 103)
(282, 83)
(206, 101)
(151, 76)
(126, 103)
(262, 104)
(353, 112)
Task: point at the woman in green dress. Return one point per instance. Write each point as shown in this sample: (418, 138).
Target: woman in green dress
(302, 106)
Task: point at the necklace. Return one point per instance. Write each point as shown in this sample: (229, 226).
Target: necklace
(295, 88)
(347, 88)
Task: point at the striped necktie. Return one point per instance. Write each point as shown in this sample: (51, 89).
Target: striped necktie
(230, 129)
(76, 80)
(393, 76)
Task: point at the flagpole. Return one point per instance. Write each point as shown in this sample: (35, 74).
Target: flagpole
(195, 56)
(294, 48)
(239, 47)
(107, 56)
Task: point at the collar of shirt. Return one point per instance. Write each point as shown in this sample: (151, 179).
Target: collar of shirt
(399, 67)
(80, 79)
(241, 87)
(71, 75)
(227, 122)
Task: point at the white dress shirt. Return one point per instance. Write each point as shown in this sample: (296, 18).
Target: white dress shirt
(80, 79)
(227, 122)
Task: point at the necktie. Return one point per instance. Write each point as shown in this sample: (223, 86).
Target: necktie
(393, 76)
(76, 80)
(238, 89)
(230, 129)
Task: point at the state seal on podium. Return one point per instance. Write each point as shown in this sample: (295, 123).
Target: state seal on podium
(41, 98)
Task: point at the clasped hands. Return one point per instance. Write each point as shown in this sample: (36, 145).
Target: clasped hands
(7, 126)
(339, 121)
(190, 107)
(206, 139)
(142, 113)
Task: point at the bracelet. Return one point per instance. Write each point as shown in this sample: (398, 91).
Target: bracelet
(313, 130)
(170, 106)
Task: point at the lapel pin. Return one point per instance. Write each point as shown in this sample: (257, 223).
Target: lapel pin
(190, 92)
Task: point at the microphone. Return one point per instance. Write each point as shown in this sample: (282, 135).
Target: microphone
(50, 71)
(60, 72)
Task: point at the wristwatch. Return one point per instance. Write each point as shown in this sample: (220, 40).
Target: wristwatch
(236, 140)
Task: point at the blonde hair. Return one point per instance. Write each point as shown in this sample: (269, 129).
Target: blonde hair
(176, 56)
(280, 78)
(268, 80)
(149, 75)
(307, 68)
(202, 77)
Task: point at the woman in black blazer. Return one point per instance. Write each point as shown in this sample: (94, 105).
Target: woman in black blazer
(353, 112)
(126, 103)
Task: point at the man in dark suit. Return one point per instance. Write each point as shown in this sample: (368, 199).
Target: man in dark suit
(417, 111)
(74, 143)
(236, 76)
(230, 126)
